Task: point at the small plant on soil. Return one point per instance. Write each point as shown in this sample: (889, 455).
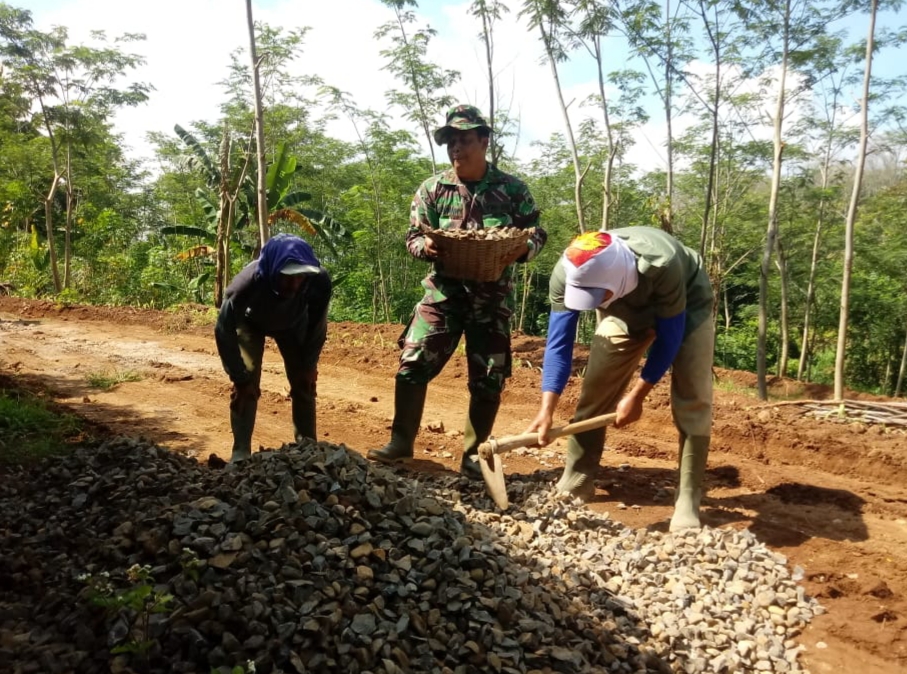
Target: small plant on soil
(239, 669)
(190, 563)
(107, 380)
(130, 608)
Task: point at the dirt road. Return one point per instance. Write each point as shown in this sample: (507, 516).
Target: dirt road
(830, 496)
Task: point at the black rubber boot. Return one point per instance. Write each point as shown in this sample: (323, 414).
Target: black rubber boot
(482, 413)
(409, 401)
(694, 454)
(242, 424)
(304, 418)
(584, 452)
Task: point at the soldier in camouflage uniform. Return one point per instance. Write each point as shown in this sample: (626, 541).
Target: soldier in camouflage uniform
(473, 194)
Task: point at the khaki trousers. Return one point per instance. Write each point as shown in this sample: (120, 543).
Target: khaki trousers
(613, 361)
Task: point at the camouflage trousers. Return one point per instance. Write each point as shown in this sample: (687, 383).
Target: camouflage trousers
(477, 311)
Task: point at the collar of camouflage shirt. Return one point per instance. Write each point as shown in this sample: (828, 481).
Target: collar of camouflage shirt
(492, 175)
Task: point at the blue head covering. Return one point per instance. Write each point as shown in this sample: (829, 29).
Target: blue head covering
(286, 254)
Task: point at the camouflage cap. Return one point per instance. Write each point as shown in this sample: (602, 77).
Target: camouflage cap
(461, 118)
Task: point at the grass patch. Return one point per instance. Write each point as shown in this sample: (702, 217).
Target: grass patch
(730, 386)
(189, 316)
(107, 380)
(30, 430)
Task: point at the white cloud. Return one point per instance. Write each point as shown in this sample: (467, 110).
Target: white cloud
(186, 52)
(189, 43)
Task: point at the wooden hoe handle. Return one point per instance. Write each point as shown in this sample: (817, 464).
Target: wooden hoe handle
(507, 443)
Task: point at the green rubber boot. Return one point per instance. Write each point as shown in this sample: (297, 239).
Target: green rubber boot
(479, 422)
(584, 452)
(242, 424)
(409, 401)
(694, 454)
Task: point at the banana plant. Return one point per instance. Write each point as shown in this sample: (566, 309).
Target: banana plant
(234, 181)
(285, 203)
(227, 178)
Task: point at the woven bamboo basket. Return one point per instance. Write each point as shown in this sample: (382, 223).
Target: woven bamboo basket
(477, 254)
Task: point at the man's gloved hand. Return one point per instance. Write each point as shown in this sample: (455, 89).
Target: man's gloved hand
(243, 395)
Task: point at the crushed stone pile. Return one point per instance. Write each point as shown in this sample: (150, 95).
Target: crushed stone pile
(127, 557)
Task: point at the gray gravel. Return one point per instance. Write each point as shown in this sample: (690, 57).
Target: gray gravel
(310, 559)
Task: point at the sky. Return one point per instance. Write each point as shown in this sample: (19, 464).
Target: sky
(188, 45)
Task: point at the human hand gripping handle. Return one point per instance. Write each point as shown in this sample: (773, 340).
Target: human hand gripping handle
(545, 417)
(629, 409)
(531, 439)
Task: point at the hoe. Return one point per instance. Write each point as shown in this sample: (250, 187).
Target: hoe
(492, 469)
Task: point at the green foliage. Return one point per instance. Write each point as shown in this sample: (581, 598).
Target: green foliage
(735, 348)
(30, 430)
(425, 98)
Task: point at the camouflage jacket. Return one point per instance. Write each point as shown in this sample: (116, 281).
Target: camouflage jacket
(497, 200)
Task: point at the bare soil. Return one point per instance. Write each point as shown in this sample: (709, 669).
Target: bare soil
(830, 496)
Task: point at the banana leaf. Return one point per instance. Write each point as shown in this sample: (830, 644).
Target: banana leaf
(212, 174)
(188, 230)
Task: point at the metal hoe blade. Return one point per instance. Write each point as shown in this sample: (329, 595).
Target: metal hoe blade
(493, 472)
(489, 451)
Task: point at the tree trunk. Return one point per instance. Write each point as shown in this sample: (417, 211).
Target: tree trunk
(487, 37)
(810, 296)
(852, 208)
(423, 113)
(805, 352)
(903, 368)
(67, 236)
(67, 226)
(49, 199)
(220, 250)
(772, 232)
(263, 229)
(524, 297)
(785, 329)
(713, 153)
(578, 173)
(607, 197)
(49, 223)
(667, 219)
(224, 218)
(727, 310)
